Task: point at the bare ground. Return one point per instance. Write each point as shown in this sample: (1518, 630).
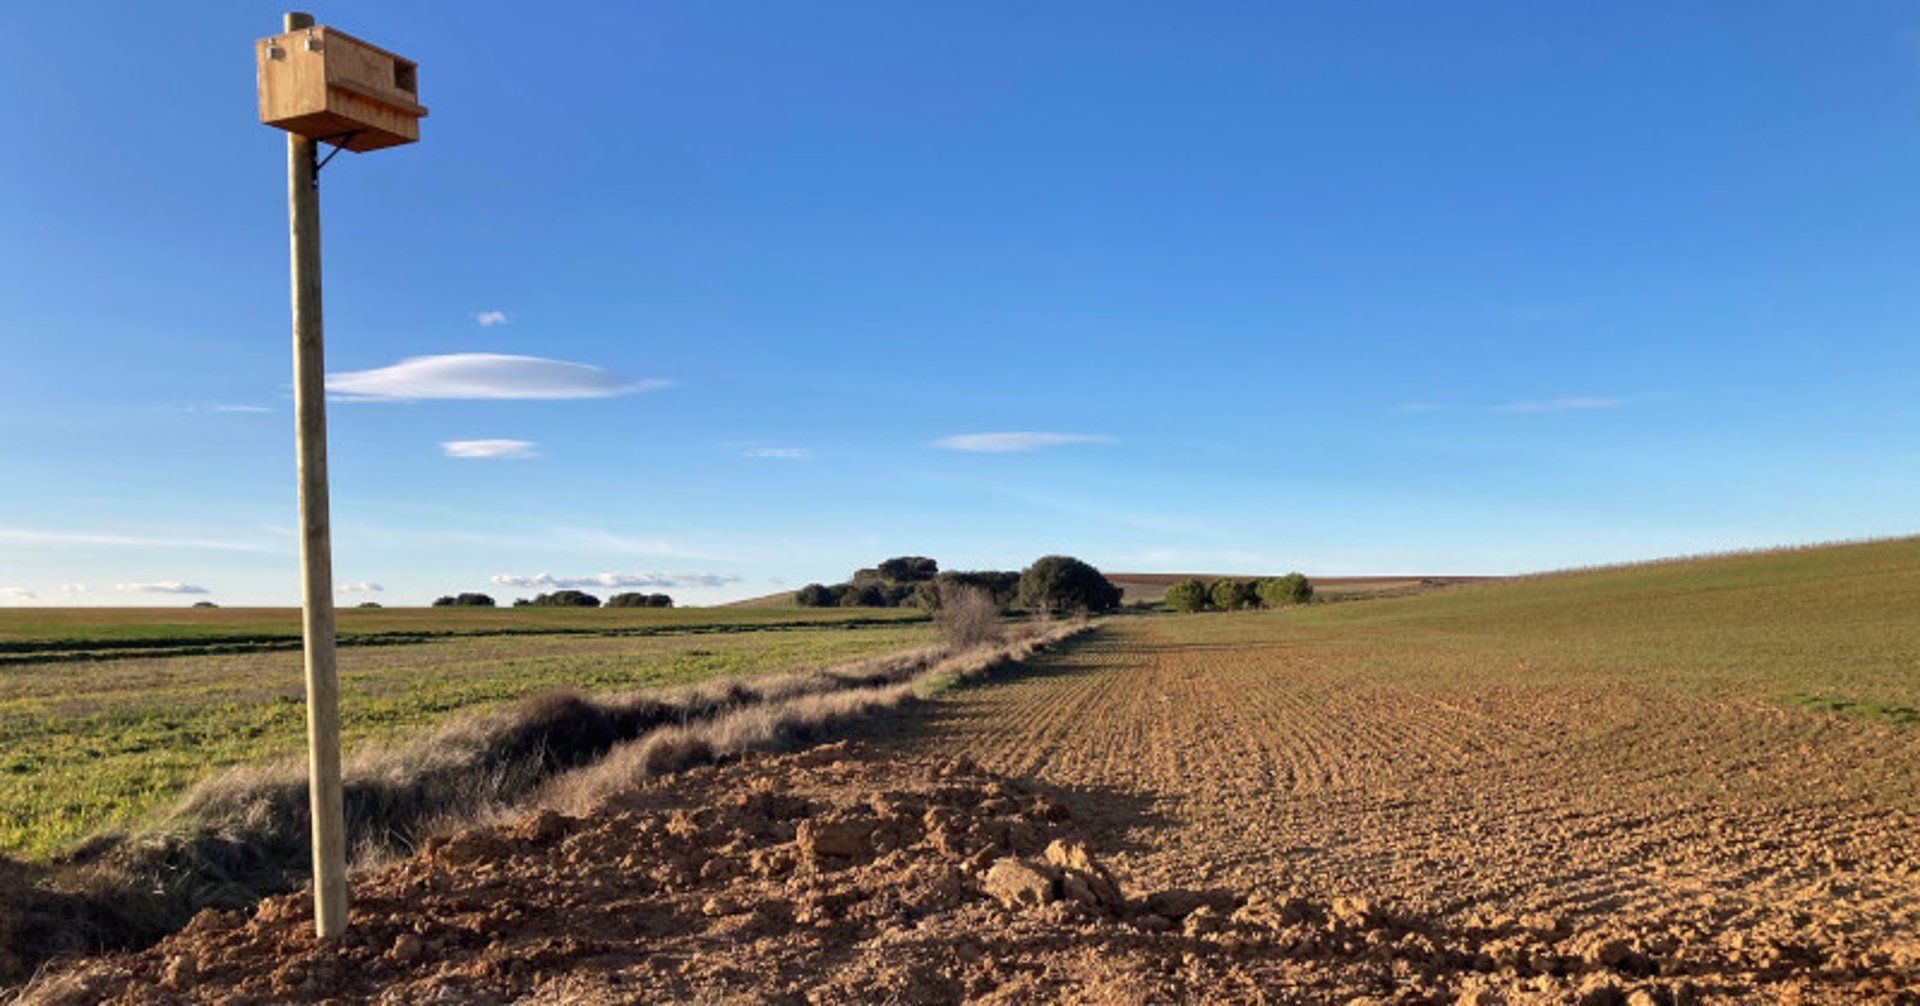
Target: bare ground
(1278, 831)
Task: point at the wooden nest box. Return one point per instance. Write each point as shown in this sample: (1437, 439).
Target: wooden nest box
(324, 84)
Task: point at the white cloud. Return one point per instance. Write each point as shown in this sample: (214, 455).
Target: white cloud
(1572, 403)
(17, 594)
(43, 536)
(616, 580)
(74, 588)
(1002, 443)
(484, 376)
(161, 587)
(783, 453)
(488, 319)
(360, 587)
(489, 448)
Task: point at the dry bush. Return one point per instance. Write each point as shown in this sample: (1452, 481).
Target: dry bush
(967, 615)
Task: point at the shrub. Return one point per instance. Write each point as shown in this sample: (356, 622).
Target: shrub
(1189, 595)
(816, 595)
(1063, 583)
(1280, 591)
(863, 595)
(967, 615)
(897, 594)
(564, 599)
(368, 604)
(908, 569)
(1221, 593)
(635, 599)
(464, 601)
(1002, 587)
(926, 595)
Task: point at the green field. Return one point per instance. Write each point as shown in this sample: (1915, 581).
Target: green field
(42, 630)
(87, 744)
(1837, 623)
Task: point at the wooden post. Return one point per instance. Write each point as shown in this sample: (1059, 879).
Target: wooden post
(316, 543)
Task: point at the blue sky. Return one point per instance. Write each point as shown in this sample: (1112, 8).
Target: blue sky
(1400, 287)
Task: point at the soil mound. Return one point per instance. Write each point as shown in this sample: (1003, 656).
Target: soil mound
(840, 874)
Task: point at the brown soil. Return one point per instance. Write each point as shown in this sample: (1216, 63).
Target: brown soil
(1233, 824)
(839, 874)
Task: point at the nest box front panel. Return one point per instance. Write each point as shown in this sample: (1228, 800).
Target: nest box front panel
(324, 84)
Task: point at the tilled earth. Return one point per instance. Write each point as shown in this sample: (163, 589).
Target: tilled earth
(844, 874)
(1766, 852)
(1148, 819)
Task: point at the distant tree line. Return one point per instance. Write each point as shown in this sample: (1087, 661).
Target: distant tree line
(1227, 594)
(464, 601)
(633, 599)
(558, 599)
(1054, 583)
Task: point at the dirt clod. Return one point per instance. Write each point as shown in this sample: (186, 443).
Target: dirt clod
(1020, 884)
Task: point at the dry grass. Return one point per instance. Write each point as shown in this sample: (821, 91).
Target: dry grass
(244, 833)
(786, 723)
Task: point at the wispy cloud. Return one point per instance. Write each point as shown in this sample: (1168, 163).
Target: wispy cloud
(484, 376)
(1571, 403)
(489, 448)
(47, 536)
(17, 594)
(488, 319)
(617, 580)
(360, 587)
(781, 453)
(160, 587)
(1006, 443)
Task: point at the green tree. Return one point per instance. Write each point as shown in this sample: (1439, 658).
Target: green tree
(1280, 591)
(1189, 595)
(565, 599)
(634, 599)
(1063, 583)
(863, 595)
(816, 595)
(908, 569)
(1229, 594)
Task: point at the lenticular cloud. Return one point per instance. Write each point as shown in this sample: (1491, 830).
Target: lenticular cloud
(484, 375)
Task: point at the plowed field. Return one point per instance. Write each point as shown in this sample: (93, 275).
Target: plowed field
(1686, 783)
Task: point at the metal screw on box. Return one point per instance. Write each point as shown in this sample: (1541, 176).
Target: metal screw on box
(324, 86)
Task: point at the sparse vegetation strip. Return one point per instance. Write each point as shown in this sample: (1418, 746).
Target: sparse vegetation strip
(797, 719)
(243, 835)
